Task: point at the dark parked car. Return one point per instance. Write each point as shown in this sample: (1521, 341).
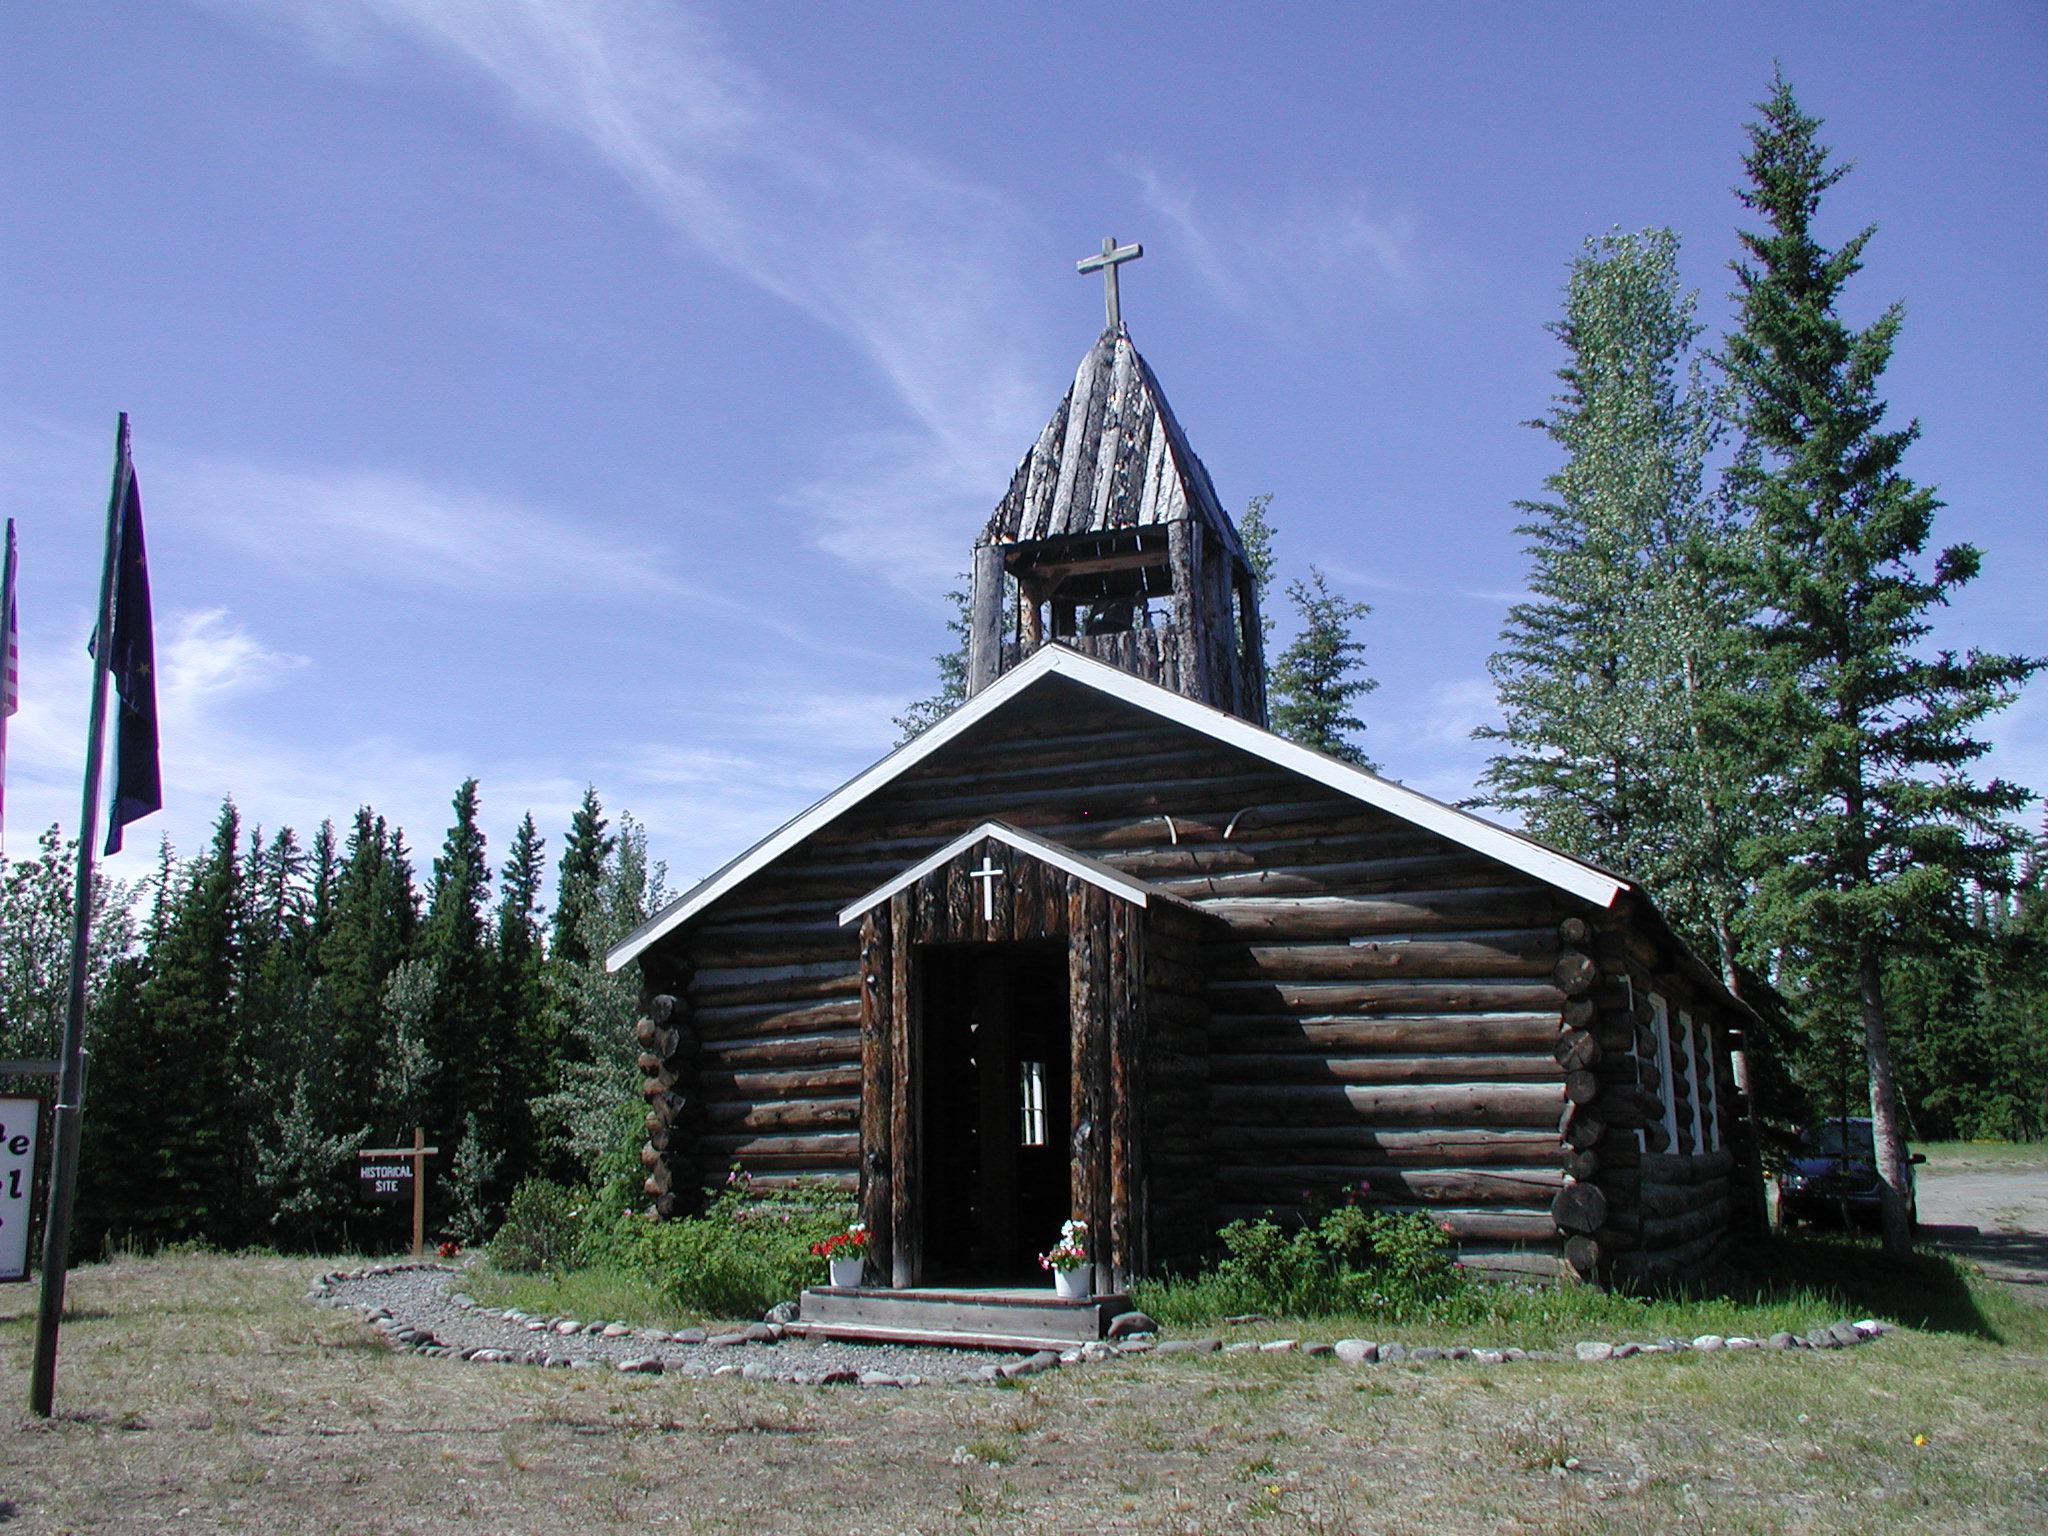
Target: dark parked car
(1833, 1175)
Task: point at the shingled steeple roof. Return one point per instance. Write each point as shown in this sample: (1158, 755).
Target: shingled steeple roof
(1113, 456)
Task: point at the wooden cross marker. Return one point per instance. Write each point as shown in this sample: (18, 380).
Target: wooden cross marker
(1112, 257)
(988, 875)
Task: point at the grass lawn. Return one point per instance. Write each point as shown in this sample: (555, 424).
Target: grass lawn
(201, 1393)
(1983, 1156)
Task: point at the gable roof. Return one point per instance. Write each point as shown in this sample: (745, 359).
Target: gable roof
(1532, 858)
(1113, 456)
(1079, 865)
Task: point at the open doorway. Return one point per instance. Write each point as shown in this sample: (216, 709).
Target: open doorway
(996, 1057)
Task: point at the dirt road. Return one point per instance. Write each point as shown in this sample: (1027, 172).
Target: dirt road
(1998, 1220)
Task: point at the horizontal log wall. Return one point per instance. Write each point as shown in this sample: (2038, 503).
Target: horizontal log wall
(1375, 1006)
(1386, 1012)
(1176, 1161)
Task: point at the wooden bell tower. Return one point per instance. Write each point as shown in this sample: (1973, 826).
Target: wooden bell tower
(1112, 541)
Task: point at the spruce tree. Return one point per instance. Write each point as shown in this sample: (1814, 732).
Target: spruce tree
(1885, 827)
(1255, 533)
(1611, 676)
(592, 1116)
(1321, 672)
(927, 712)
(584, 852)
(168, 1143)
(466, 1044)
(371, 930)
(522, 1003)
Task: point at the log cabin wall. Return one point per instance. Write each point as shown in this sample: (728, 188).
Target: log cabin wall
(1385, 1008)
(1668, 1125)
(1177, 1164)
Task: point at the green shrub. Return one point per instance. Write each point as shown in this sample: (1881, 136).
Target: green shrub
(749, 1250)
(1351, 1260)
(543, 1228)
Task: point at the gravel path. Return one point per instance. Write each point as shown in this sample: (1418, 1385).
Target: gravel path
(415, 1306)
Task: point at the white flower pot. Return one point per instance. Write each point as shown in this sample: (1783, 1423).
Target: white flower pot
(1076, 1284)
(847, 1272)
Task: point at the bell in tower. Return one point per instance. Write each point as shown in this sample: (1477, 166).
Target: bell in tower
(1112, 541)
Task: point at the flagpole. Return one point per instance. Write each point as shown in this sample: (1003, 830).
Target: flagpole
(6, 661)
(71, 1080)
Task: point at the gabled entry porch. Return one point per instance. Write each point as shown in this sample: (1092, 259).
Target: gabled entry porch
(1003, 1046)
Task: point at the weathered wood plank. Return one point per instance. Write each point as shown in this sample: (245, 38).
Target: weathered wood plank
(828, 1146)
(737, 986)
(877, 1205)
(1324, 1035)
(1373, 1146)
(1445, 1104)
(1230, 998)
(759, 1019)
(829, 1046)
(1432, 1068)
(1533, 1187)
(906, 1102)
(783, 1114)
(811, 1081)
(1500, 955)
(1310, 917)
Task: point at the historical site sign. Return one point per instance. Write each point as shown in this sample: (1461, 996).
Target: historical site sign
(21, 1124)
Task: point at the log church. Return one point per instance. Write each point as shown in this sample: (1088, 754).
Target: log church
(1099, 944)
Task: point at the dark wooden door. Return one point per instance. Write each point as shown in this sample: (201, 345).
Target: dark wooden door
(995, 1135)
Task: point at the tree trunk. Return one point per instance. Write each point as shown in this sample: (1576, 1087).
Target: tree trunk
(1890, 1144)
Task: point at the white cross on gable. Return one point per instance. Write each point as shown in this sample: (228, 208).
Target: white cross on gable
(988, 875)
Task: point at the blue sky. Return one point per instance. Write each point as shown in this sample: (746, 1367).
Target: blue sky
(607, 390)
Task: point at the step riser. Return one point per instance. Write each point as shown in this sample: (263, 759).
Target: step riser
(1072, 1322)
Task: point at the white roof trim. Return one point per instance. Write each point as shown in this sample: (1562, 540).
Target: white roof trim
(1511, 848)
(1115, 881)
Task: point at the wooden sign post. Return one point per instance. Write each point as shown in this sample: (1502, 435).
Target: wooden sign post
(389, 1175)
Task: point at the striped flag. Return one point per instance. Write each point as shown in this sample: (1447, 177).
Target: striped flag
(10, 670)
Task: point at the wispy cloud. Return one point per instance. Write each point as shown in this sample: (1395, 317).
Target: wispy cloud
(392, 527)
(1279, 264)
(910, 263)
(1351, 576)
(1425, 739)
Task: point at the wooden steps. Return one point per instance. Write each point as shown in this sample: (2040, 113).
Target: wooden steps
(963, 1317)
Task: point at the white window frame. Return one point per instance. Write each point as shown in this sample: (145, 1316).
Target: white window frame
(1031, 1090)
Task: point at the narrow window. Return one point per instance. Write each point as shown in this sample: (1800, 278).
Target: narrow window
(1690, 1029)
(1660, 1015)
(1709, 1138)
(1031, 1080)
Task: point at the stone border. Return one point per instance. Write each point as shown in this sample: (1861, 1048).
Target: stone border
(1130, 1340)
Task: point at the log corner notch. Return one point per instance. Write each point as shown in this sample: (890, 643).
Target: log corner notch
(1594, 1050)
(674, 1182)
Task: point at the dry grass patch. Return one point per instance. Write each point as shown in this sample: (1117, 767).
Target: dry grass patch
(202, 1394)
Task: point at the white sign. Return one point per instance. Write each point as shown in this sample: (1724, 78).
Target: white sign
(20, 1124)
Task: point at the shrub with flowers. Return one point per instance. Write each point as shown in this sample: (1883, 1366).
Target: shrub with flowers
(1071, 1251)
(850, 1244)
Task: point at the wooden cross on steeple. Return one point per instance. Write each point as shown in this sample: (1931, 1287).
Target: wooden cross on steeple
(1112, 256)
